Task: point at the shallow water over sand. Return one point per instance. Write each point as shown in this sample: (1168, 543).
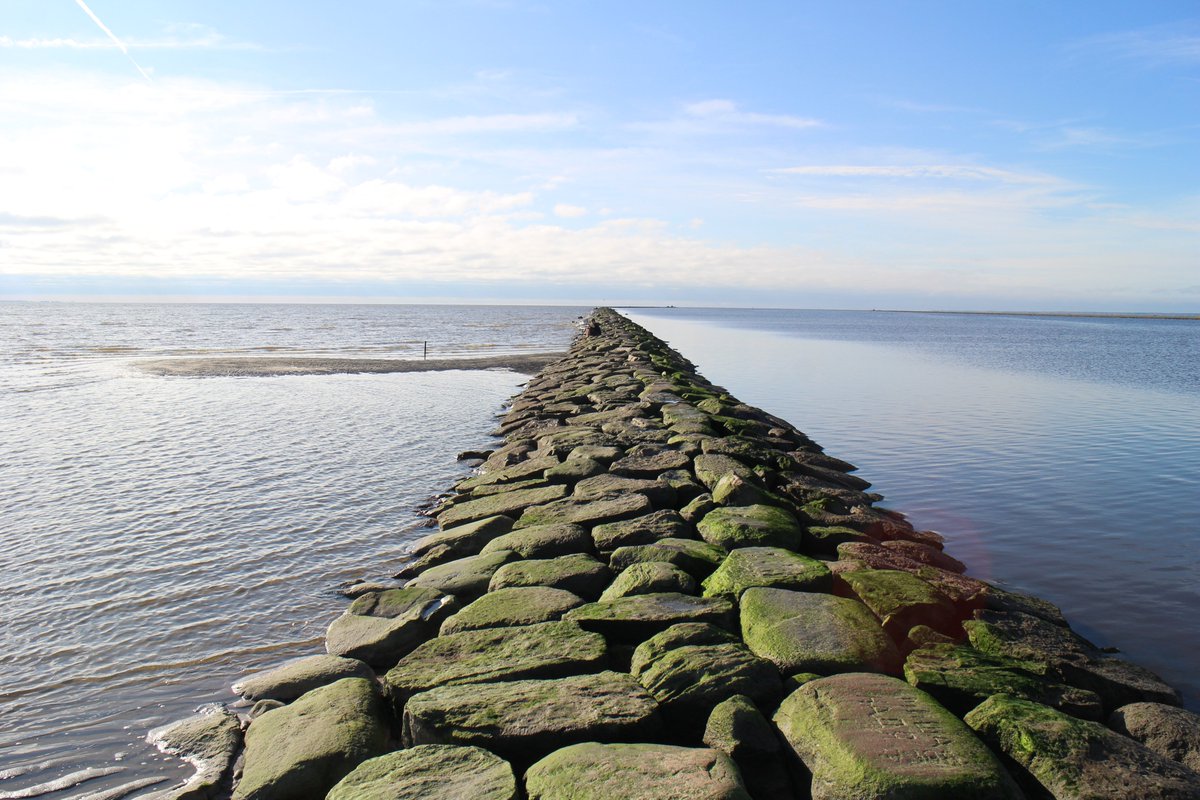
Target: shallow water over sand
(1057, 455)
(163, 536)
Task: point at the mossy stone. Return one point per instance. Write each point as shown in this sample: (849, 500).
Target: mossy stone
(637, 617)
(963, 677)
(739, 730)
(697, 507)
(593, 771)
(870, 736)
(649, 578)
(299, 676)
(464, 577)
(525, 469)
(808, 632)
(579, 574)
(770, 567)
(430, 772)
(902, 600)
(590, 511)
(527, 719)
(1073, 758)
(693, 556)
(575, 469)
(506, 608)
(543, 541)
(300, 751)
(710, 468)
(544, 650)
(645, 529)
(731, 527)
(505, 503)
(382, 627)
(824, 539)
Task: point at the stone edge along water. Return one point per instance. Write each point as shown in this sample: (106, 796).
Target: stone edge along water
(652, 590)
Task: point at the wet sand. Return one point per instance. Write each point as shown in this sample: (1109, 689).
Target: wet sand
(267, 366)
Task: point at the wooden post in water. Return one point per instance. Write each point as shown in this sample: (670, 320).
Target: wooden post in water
(425, 355)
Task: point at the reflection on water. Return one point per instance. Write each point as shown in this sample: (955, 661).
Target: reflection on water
(162, 536)
(1083, 491)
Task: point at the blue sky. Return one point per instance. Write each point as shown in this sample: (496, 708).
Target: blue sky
(982, 155)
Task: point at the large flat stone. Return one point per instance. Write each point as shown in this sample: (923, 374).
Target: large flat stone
(505, 503)
(591, 511)
(525, 720)
(871, 737)
(430, 772)
(901, 600)
(1169, 731)
(299, 751)
(543, 541)
(594, 771)
(807, 632)
(545, 650)
(464, 578)
(525, 469)
(767, 567)
(459, 542)
(506, 608)
(380, 628)
(645, 529)
(652, 577)
(1074, 759)
(294, 678)
(579, 574)
(751, 526)
(693, 556)
(637, 617)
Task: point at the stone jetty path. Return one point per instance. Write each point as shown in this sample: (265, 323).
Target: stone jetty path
(650, 590)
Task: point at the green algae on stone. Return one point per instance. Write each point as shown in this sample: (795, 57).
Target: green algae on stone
(739, 730)
(579, 574)
(902, 600)
(650, 464)
(734, 491)
(294, 678)
(697, 507)
(430, 772)
(751, 526)
(808, 632)
(526, 719)
(489, 489)
(573, 470)
(1169, 731)
(1073, 759)
(506, 608)
(693, 556)
(211, 742)
(870, 736)
(544, 650)
(710, 468)
(825, 539)
(525, 469)
(645, 529)
(464, 577)
(299, 751)
(593, 510)
(770, 567)
(543, 541)
(593, 771)
(660, 494)
(637, 617)
(691, 667)
(963, 677)
(505, 503)
(458, 542)
(649, 578)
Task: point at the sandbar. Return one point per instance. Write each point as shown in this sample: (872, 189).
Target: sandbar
(269, 366)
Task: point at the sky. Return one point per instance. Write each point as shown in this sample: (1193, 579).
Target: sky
(922, 155)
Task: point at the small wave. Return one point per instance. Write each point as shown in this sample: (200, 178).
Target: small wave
(58, 784)
(117, 792)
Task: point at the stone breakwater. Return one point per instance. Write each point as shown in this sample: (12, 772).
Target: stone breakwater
(651, 590)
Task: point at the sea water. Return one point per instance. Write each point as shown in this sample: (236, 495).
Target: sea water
(1058, 455)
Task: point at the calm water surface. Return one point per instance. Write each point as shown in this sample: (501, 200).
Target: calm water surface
(1060, 456)
(163, 536)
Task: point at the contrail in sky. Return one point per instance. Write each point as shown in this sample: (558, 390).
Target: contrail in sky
(113, 36)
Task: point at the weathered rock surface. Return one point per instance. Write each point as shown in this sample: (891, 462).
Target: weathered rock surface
(737, 728)
(807, 632)
(504, 503)
(543, 541)
(292, 679)
(694, 557)
(689, 668)
(545, 650)
(300, 751)
(464, 578)
(637, 617)
(1074, 759)
(645, 529)
(751, 526)
(634, 772)
(210, 742)
(769, 567)
(511, 607)
(382, 627)
(649, 578)
(1169, 731)
(579, 574)
(430, 772)
(963, 677)
(870, 736)
(901, 600)
(605, 508)
(525, 720)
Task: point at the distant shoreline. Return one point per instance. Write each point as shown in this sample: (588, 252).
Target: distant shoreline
(270, 366)
(1084, 314)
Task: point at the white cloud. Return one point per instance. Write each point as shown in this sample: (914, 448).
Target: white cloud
(964, 172)
(728, 112)
(1156, 46)
(569, 211)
